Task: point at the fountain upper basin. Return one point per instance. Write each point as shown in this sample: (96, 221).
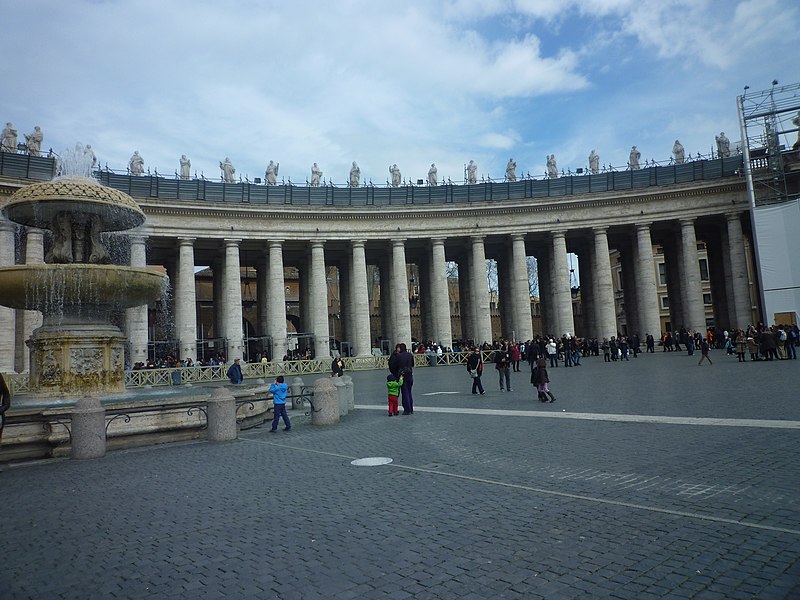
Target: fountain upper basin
(45, 286)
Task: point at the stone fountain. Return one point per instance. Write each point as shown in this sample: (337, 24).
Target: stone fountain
(77, 352)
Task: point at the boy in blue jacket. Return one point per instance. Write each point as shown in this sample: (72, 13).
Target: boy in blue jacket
(279, 390)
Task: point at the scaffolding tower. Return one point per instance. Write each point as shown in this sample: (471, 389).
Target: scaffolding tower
(769, 121)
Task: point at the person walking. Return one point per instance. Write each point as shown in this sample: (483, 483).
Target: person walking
(337, 366)
(235, 372)
(279, 391)
(475, 370)
(704, 347)
(540, 379)
(552, 352)
(502, 362)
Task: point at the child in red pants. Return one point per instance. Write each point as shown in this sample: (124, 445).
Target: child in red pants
(393, 385)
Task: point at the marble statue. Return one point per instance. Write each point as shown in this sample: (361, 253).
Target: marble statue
(355, 175)
(227, 170)
(89, 153)
(34, 141)
(723, 145)
(432, 175)
(316, 175)
(272, 173)
(679, 153)
(594, 163)
(395, 172)
(796, 123)
(8, 143)
(552, 166)
(633, 159)
(136, 164)
(472, 172)
(186, 164)
(511, 170)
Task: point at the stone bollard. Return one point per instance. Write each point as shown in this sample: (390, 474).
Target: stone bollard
(341, 395)
(351, 399)
(88, 429)
(326, 404)
(221, 411)
(296, 391)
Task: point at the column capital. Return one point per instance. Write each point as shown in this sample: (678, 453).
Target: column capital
(517, 237)
(558, 233)
(317, 243)
(232, 241)
(642, 226)
(6, 225)
(438, 241)
(686, 221)
(358, 243)
(398, 242)
(477, 238)
(734, 215)
(186, 241)
(600, 229)
(275, 243)
(136, 238)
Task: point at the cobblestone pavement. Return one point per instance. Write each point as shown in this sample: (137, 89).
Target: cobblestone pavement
(487, 497)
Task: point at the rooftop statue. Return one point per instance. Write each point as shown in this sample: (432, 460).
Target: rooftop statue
(796, 123)
(355, 175)
(633, 159)
(472, 172)
(594, 163)
(511, 170)
(186, 165)
(227, 170)
(432, 175)
(136, 164)
(34, 141)
(395, 172)
(679, 153)
(8, 143)
(316, 175)
(272, 173)
(723, 145)
(552, 167)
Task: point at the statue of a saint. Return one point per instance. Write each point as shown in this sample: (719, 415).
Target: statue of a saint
(316, 175)
(594, 163)
(136, 164)
(88, 153)
(227, 170)
(472, 172)
(679, 153)
(394, 170)
(34, 141)
(8, 143)
(186, 165)
(633, 159)
(723, 145)
(511, 170)
(271, 176)
(552, 167)
(432, 175)
(355, 175)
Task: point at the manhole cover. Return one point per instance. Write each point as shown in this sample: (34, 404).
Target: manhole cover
(372, 461)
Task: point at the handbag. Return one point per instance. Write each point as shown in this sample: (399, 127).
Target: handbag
(473, 373)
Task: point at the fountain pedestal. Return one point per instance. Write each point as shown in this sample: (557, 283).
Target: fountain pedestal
(77, 360)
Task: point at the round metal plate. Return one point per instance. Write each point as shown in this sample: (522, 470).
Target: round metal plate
(372, 461)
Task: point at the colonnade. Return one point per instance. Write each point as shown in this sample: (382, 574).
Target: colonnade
(313, 257)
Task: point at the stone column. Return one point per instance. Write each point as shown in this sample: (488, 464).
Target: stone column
(318, 298)
(561, 284)
(7, 315)
(545, 277)
(232, 299)
(690, 266)
(428, 331)
(588, 310)
(218, 272)
(346, 332)
(646, 284)
(136, 323)
(402, 314)
(31, 319)
(480, 293)
(739, 280)
(186, 301)
(362, 338)
(605, 314)
(276, 297)
(630, 298)
(521, 297)
(465, 299)
(672, 261)
(262, 294)
(386, 305)
(504, 268)
(440, 295)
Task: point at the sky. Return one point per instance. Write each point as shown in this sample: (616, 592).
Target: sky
(412, 82)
